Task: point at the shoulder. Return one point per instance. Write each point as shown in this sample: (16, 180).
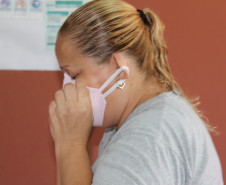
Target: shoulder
(165, 114)
(170, 122)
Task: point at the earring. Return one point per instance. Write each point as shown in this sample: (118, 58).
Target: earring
(121, 85)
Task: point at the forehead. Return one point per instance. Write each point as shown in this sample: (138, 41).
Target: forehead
(69, 56)
(65, 52)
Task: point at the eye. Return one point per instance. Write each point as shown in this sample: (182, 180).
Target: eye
(74, 77)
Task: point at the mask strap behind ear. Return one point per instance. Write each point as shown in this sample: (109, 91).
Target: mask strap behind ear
(112, 78)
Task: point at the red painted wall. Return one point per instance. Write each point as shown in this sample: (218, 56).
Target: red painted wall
(196, 36)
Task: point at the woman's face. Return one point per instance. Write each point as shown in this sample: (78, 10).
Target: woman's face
(93, 75)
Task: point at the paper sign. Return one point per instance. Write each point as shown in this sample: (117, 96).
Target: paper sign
(28, 30)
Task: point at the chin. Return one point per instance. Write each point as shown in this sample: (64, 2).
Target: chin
(108, 124)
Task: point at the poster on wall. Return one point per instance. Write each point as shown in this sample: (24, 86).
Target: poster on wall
(28, 30)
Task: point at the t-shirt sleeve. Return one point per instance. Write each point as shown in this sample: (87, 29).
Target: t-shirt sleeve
(138, 159)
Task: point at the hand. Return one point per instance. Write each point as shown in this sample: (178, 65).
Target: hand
(71, 115)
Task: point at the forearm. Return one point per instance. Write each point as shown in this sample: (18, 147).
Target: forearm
(73, 166)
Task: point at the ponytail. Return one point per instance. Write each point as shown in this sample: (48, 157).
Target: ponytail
(157, 62)
(158, 56)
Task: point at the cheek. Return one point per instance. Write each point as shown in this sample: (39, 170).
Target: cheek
(96, 76)
(93, 79)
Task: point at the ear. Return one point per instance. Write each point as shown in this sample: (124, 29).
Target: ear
(120, 59)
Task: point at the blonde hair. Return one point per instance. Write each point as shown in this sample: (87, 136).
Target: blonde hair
(100, 28)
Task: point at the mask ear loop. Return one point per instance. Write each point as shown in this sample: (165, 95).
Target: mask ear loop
(112, 78)
(109, 91)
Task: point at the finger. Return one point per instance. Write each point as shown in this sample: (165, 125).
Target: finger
(52, 108)
(70, 93)
(60, 98)
(82, 92)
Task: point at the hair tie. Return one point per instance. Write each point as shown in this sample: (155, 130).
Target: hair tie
(143, 16)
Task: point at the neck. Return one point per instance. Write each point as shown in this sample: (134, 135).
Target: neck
(140, 94)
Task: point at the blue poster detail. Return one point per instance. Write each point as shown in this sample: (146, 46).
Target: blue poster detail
(36, 3)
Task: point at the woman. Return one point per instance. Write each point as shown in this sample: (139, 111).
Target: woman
(116, 58)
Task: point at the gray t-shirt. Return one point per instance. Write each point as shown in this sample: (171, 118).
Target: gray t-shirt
(162, 142)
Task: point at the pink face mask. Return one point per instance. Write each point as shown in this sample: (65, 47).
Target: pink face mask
(96, 96)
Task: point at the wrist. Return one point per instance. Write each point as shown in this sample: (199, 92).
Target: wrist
(66, 148)
(73, 163)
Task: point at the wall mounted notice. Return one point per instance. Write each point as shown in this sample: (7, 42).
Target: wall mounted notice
(28, 30)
